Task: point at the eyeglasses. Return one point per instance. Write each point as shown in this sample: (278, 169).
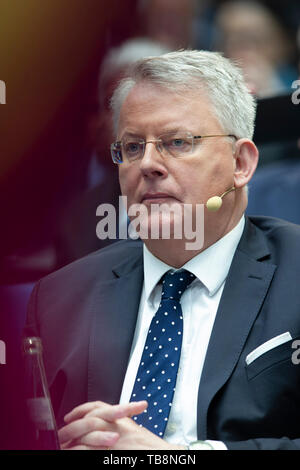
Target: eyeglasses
(178, 144)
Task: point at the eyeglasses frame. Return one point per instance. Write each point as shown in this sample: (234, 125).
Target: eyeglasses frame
(156, 141)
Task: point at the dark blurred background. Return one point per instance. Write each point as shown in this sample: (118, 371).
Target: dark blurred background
(60, 61)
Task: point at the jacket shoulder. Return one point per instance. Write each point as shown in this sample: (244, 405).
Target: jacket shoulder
(273, 226)
(282, 237)
(98, 264)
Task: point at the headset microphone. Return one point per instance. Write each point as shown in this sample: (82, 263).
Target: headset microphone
(214, 203)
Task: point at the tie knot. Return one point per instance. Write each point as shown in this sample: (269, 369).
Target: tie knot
(175, 283)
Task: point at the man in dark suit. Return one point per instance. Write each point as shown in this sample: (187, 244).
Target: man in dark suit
(226, 376)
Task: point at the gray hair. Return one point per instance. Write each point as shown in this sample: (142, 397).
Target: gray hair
(189, 70)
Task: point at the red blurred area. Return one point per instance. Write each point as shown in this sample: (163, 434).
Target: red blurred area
(50, 54)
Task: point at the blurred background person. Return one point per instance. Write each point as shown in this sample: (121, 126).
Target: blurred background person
(77, 226)
(249, 33)
(113, 69)
(170, 22)
(275, 188)
(260, 37)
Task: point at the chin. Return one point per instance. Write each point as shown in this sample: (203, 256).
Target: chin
(158, 223)
(165, 227)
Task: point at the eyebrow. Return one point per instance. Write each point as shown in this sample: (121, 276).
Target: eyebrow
(132, 134)
(167, 130)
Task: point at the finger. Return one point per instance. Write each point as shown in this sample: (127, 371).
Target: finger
(83, 409)
(132, 409)
(99, 439)
(79, 428)
(64, 445)
(114, 412)
(82, 447)
(71, 446)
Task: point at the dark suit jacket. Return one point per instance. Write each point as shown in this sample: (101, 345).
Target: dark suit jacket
(86, 315)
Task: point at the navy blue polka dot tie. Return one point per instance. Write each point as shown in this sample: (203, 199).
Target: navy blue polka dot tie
(156, 376)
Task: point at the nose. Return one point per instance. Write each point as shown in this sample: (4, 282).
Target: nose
(153, 165)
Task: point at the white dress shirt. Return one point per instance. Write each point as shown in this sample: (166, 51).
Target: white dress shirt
(199, 306)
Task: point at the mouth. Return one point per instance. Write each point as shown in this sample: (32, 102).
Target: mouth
(156, 198)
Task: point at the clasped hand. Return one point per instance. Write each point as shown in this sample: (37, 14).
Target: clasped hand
(100, 426)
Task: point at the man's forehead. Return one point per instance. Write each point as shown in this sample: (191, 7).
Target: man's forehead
(145, 91)
(154, 104)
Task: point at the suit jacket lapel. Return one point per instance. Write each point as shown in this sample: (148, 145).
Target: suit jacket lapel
(115, 311)
(245, 289)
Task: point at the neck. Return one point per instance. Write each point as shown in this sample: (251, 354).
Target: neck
(174, 252)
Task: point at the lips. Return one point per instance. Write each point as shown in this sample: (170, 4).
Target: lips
(156, 197)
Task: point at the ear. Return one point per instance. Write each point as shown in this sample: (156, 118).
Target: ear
(246, 159)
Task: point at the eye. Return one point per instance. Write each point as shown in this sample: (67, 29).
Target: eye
(177, 144)
(132, 148)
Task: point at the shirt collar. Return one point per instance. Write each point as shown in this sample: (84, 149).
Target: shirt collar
(211, 266)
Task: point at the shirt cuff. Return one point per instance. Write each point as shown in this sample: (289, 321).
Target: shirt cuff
(217, 445)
